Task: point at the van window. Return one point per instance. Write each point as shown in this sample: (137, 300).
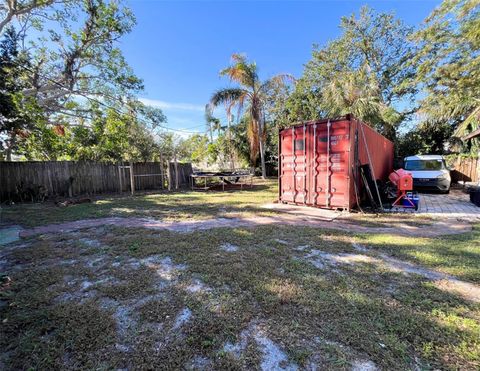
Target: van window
(414, 165)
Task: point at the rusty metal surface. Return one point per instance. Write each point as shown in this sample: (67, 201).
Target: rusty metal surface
(316, 160)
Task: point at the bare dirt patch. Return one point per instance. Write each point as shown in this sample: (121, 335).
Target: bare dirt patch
(180, 301)
(438, 228)
(228, 247)
(272, 356)
(324, 260)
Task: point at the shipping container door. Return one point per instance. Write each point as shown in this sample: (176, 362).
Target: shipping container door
(293, 165)
(330, 162)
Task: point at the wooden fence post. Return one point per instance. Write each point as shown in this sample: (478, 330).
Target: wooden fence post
(176, 172)
(120, 181)
(132, 179)
(169, 174)
(161, 171)
(477, 175)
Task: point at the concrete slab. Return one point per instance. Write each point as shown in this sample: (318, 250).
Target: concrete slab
(9, 234)
(304, 211)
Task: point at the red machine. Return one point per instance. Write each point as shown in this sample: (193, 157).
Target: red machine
(403, 182)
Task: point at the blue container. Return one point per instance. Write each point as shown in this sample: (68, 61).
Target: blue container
(412, 196)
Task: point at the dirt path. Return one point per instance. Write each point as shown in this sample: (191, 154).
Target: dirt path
(441, 280)
(439, 228)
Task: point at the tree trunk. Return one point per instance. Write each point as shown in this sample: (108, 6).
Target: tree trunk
(11, 145)
(176, 171)
(8, 153)
(232, 163)
(262, 154)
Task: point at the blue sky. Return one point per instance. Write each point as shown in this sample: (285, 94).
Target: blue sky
(178, 47)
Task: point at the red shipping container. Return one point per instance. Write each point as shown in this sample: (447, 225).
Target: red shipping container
(319, 160)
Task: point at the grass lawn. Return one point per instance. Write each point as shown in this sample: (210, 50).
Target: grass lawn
(229, 298)
(182, 205)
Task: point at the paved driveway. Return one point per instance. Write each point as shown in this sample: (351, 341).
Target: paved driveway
(454, 205)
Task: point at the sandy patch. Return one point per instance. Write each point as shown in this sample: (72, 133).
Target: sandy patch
(197, 286)
(443, 281)
(163, 266)
(360, 365)
(182, 318)
(439, 228)
(273, 357)
(228, 247)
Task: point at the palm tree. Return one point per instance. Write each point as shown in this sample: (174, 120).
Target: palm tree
(251, 95)
(357, 92)
(213, 123)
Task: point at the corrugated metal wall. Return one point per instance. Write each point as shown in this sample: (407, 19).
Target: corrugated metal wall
(317, 161)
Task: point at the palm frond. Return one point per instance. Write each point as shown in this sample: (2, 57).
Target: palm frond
(230, 97)
(241, 71)
(238, 58)
(277, 80)
(208, 113)
(226, 96)
(470, 124)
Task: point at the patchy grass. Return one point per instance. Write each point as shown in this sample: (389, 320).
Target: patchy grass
(184, 205)
(180, 205)
(156, 299)
(390, 219)
(457, 254)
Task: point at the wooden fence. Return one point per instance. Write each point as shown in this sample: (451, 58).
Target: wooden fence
(466, 169)
(39, 180)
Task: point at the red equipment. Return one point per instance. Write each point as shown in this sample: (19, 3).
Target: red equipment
(403, 181)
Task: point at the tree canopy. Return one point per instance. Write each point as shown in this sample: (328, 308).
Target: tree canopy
(363, 72)
(67, 92)
(448, 65)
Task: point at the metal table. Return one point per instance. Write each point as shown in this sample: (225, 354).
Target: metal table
(225, 177)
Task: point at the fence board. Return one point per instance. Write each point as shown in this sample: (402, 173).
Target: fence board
(184, 172)
(20, 180)
(466, 169)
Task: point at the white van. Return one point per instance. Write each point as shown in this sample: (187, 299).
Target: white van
(429, 172)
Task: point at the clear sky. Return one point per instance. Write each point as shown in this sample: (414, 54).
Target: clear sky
(178, 47)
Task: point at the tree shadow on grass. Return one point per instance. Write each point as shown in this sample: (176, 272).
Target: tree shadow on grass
(353, 306)
(358, 310)
(457, 255)
(174, 205)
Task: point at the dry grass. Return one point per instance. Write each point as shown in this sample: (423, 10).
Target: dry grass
(110, 298)
(181, 205)
(146, 299)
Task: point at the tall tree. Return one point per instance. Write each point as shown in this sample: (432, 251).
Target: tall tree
(18, 114)
(448, 62)
(74, 51)
(70, 64)
(250, 98)
(213, 123)
(364, 72)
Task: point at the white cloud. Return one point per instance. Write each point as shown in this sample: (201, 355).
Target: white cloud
(173, 106)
